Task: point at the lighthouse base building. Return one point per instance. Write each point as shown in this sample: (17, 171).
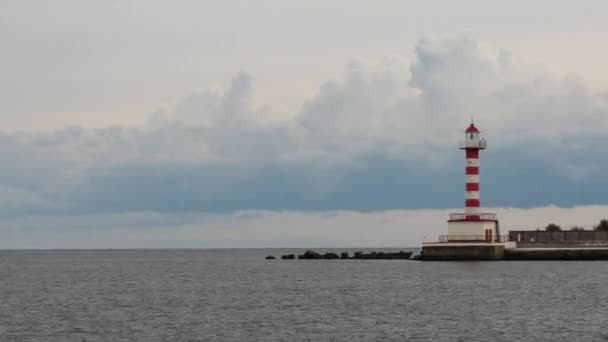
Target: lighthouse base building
(472, 235)
(480, 228)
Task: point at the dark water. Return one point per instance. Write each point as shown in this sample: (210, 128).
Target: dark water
(235, 295)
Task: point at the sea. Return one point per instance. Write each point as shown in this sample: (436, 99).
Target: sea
(237, 295)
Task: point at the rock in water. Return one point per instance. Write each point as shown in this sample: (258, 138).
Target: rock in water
(310, 255)
(331, 255)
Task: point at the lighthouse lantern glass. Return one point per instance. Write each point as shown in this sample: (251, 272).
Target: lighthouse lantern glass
(472, 139)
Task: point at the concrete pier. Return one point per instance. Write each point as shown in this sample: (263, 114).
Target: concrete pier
(560, 253)
(508, 251)
(462, 251)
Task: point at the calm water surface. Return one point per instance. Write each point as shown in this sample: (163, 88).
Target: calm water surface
(236, 295)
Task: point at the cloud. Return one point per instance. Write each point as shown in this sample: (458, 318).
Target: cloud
(383, 137)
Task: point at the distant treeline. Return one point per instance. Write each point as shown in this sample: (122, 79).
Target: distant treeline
(602, 226)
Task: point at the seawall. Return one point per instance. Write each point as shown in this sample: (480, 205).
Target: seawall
(573, 253)
(453, 252)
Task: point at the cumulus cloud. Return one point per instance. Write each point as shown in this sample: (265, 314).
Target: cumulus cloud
(383, 137)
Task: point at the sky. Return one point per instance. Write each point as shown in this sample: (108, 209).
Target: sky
(294, 124)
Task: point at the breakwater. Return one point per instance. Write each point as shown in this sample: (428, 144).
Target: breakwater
(312, 255)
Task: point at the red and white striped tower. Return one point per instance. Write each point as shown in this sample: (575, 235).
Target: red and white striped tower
(472, 225)
(472, 145)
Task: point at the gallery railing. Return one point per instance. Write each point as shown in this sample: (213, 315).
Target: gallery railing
(472, 238)
(477, 217)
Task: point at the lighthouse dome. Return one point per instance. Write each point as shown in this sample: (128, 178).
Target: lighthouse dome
(472, 129)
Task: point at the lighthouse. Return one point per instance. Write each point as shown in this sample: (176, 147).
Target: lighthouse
(472, 234)
(472, 225)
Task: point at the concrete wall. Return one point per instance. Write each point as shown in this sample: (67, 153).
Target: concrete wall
(449, 252)
(557, 254)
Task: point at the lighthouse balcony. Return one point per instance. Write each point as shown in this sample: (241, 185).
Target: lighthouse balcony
(473, 217)
(472, 238)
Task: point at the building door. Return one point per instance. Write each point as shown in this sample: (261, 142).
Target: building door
(489, 235)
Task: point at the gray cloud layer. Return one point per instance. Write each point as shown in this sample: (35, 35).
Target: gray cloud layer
(384, 137)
